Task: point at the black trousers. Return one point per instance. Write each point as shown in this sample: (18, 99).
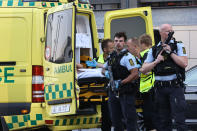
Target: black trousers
(3, 125)
(106, 117)
(149, 112)
(171, 104)
(123, 109)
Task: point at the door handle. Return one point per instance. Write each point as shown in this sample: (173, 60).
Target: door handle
(22, 70)
(47, 69)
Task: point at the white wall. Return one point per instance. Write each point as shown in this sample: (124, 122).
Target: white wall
(188, 35)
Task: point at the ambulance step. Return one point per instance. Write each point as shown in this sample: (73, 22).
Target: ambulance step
(87, 110)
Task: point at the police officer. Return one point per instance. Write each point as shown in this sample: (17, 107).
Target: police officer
(122, 94)
(168, 67)
(146, 80)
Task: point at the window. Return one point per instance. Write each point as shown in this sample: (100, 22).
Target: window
(133, 26)
(168, 4)
(191, 77)
(106, 4)
(59, 37)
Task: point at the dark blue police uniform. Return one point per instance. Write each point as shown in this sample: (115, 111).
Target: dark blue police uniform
(122, 100)
(170, 100)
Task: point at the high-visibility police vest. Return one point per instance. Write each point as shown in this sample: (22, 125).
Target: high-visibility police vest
(146, 80)
(101, 59)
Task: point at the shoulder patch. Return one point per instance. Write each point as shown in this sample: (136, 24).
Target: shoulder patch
(184, 51)
(131, 62)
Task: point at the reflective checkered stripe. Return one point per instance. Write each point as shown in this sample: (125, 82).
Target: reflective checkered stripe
(53, 92)
(85, 6)
(19, 3)
(78, 121)
(24, 121)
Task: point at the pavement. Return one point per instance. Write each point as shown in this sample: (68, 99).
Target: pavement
(94, 129)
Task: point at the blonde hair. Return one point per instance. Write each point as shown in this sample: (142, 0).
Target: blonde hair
(146, 39)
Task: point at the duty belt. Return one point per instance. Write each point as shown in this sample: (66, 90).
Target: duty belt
(174, 82)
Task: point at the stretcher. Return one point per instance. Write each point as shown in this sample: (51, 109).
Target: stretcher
(92, 85)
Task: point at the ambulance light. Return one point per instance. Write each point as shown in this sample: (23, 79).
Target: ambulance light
(49, 122)
(37, 84)
(24, 111)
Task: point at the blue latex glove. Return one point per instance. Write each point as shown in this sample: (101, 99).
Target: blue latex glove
(107, 74)
(117, 83)
(92, 63)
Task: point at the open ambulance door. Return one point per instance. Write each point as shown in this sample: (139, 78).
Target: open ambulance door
(59, 61)
(134, 22)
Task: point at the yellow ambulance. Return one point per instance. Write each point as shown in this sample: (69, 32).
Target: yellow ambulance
(38, 82)
(42, 42)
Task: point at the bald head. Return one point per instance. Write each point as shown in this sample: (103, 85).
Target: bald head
(133, 46)
(134, 41)
(164, 29)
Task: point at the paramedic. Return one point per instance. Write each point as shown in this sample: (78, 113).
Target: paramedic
(107, 46)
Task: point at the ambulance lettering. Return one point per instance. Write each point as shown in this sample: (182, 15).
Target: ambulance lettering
(7, 74)
(62, 69)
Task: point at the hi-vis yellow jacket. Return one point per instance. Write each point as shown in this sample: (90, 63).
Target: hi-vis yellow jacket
(146, 80)
(101, 59)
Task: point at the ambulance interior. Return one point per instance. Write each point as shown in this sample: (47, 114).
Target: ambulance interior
(84, 46)
(91, 81)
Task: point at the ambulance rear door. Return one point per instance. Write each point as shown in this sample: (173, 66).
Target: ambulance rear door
(134, 22)
(59, 60)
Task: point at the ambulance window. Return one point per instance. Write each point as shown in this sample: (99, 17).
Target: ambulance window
(133, 26)
(83, 37)
(59, 37)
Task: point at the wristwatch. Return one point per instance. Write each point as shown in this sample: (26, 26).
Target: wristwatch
(171, 52)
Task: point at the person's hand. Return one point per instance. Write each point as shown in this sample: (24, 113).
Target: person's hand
(159, 58)
(92, 63)
(107, 74)
(118, 84)
(167, 48)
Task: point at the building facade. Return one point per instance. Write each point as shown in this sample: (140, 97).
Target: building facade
(179, 13)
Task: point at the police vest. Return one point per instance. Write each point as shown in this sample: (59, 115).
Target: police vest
(146, 80)
(166, 67)
(119, 72)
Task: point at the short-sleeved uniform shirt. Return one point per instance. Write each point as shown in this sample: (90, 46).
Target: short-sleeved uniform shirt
(180, 52)
(128, 61)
